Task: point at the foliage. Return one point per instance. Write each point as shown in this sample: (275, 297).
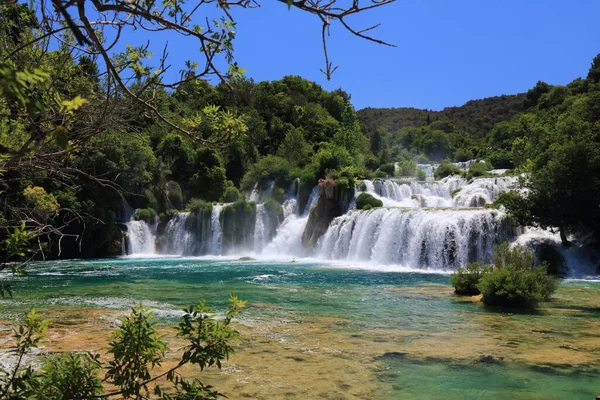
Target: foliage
(477, 169)
(466, 279)
(199, 206)
(514, 280)
(446, 169)
(44, 204)
(421, 175)
(232, 194)
(136, 351)
(389, 169)
(145, 214)
(366, 200)
(407, 168)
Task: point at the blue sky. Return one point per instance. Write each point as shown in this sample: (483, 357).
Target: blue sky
(448, 51)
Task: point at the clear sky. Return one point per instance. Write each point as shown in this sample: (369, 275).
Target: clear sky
(448, 51)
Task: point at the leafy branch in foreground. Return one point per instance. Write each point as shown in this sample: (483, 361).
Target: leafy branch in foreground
(137, 350)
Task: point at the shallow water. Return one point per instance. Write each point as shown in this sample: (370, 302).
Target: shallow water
(326, 331)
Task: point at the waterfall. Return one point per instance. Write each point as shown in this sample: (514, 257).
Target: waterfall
(141, 238)
(261, 228)
(216, 230)
(430, 239)
(452, 191)
(177, 238)
(312, 199)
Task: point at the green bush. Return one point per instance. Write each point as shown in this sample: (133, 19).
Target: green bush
(388, 169)
(477, 169)
(175, 195)
(465, 280)
(279, 195)
(232, 194)
(407, 168)
(365, 199)
(515, 281)
(380, 174)
(421, 175)
(446, 169)
(198, 206)
(145, 214)
(269, 168)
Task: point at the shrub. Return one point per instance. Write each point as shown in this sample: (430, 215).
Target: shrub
(446, 169)
(197, 206)
(514, 280)
(380, 174)
(388, 169)
(269, 168)
(407, 168)
(365, 199)
(279, 195)
(421, 175)
(232, 194)
(145, 214)
(465, 280)
(44, 204)
(174, 194)
(477, 169)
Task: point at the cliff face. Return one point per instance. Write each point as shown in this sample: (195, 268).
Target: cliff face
(333, 201)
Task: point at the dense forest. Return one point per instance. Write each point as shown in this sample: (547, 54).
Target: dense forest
(71, 159)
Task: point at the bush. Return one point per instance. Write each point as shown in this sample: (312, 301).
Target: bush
(174, 194)
(380, 174)
(388, 169)
(198, 206)
(365, 199)
(279, 195)
(407, 168)
(515, 281)
(465, 280)
(145, 214)
(421, 175)
(446, 169)
(269, 168)
(231, 195)
(477, 169)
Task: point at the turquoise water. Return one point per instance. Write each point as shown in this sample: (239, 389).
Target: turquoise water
(388, 311)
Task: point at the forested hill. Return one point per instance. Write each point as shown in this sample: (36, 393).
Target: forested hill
(476, 117)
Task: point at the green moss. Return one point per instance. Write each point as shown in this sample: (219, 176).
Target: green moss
(199, 206)
(145, 214)
(365, 199)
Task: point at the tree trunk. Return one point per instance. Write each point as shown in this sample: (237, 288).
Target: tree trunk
(563, 236)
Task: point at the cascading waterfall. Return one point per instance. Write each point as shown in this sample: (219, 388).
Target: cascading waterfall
(432, 239)
(141, 238)
(438, 225)
(216, 241)
(261, 228)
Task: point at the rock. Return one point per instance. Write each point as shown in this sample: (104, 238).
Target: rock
(333, 201)
(246, 258)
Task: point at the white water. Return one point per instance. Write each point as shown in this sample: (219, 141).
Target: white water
(436, 225)
(141, 238)
(216, 241)
(431, 239)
